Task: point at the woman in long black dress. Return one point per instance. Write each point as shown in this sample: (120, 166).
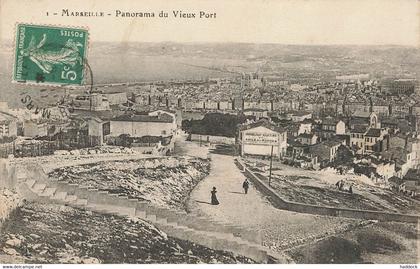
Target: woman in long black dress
(214, 200)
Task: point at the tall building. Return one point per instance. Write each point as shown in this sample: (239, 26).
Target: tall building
(252, 80)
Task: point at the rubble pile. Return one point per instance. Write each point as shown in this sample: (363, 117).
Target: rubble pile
(40, 233)
(364, 196)
(96, 150)
(163, 181)
(322, 196)
(380, 242)
(74, 157)
(286, 237)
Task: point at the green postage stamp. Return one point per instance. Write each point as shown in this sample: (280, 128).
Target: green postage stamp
(50, 55)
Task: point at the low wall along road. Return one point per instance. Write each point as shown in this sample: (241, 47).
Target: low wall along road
(281, 203)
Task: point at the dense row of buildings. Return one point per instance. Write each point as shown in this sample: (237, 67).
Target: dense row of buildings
(310, 124)
(359, 141)
(83, 127)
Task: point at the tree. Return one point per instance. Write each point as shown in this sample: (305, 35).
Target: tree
(215, 124)
(124, 140)
(344, 156)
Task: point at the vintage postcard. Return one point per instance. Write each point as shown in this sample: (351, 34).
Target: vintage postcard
(209, 132)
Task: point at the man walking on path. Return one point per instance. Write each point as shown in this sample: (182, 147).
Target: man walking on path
(245, 185)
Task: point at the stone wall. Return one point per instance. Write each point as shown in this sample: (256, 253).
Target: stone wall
(281, 203)
(9, 199)
(8, 176)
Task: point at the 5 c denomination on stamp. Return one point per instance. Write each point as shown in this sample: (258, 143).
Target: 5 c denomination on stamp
(50, 55)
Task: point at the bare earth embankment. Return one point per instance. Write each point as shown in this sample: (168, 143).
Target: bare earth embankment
(318, 188)
(39, 233)
(162, 181)
(382, 242)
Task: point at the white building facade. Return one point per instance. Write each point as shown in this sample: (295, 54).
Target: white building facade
(260, 140)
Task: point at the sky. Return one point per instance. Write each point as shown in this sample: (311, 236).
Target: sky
(304, 22)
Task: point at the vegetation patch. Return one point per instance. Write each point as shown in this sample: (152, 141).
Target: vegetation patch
(376, 242)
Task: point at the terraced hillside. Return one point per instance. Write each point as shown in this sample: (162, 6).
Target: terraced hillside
(165, 182)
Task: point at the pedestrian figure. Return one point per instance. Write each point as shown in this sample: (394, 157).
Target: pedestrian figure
(351, 190)
(341, 185)
(337, 184)
(214, 200)
(245, 185)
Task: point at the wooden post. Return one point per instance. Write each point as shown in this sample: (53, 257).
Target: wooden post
(271, 165)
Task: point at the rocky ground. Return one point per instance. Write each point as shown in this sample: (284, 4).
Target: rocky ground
(364, 196)
(9, 200)
(318, 188)
(39, 233)
(382, 242)
(327, 196)
(163, 181)
(75, 157)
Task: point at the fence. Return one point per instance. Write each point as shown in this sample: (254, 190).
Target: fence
(281, 203)
(215, 139)
(39, 148)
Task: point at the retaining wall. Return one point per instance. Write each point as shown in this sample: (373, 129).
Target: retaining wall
(8, 178)
(215, 139)
(281, 203)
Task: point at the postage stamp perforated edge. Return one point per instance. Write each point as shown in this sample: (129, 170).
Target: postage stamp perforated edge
(86, 72)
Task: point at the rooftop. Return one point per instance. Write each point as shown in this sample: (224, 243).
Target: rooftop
(263, 124)
(412, 174)
(332, 142)
(330, 121)
(144, 118)
(255, 109)
(359, 129)
(359, 121)
(306, 135)
(300, 113)
(361, 114)
(373, 132)
(4, 116)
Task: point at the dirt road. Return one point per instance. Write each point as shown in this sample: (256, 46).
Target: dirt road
(280, 229)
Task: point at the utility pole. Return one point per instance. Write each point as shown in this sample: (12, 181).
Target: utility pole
(271, 165)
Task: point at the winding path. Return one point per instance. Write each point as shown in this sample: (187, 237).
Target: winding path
(279, 229)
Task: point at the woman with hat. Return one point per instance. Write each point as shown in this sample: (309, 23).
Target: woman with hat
(214, 200)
